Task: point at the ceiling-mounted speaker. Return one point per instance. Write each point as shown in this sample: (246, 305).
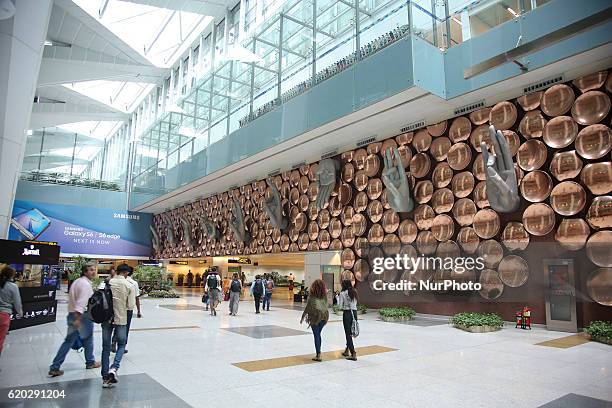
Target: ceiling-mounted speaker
(7, 9)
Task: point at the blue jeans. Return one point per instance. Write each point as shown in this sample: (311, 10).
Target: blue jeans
(85, 331)
(316, 331)
(130, 314)
(107, 333)
(266, 300)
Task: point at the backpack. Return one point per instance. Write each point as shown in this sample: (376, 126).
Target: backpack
(100, 305)
(212, 281)
(235, 286)
(258, 289)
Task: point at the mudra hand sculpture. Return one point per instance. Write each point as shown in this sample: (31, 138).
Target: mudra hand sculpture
(237, 223)
(272, 206)
(395, 179)
(326, 180)
(186, 233)
(502, 187)
(169, 231)
(208, 228)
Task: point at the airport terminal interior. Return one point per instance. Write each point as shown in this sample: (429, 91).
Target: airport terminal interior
(336, 203)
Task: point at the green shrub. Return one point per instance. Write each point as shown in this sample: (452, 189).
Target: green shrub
(469, 319)
(362, 308)
(163, 294)
(403, 312)
(336, 308)
(599, 328)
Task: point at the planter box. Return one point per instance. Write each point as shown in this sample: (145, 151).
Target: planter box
(395, 319)
(478, 329)
(599, 339)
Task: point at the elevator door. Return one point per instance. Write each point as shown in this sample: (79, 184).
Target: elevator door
(560, 295)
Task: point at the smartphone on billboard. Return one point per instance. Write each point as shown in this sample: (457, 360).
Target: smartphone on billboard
(31, 223)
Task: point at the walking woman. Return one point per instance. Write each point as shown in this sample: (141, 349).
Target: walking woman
(347, 302)
(316, 313)
(9, 300)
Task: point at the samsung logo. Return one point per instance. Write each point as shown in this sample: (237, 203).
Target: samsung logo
(125, 216)
(31, 251)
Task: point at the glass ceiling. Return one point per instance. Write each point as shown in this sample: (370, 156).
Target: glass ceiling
(123, 96)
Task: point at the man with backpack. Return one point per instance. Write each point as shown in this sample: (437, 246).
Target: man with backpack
(123, 299)
(234, 291)
(213, 288)
(257, 291)
(269, 285)
(80, 324)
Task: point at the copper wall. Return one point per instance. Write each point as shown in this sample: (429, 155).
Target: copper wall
(561, 142)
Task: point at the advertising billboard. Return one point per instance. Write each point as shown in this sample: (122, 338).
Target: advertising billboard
(83, 230)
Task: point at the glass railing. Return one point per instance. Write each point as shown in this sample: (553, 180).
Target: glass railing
(66, 179)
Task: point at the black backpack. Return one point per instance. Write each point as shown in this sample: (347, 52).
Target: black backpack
(212, 281)
(235, 287)
(258, 289)
(100, 305)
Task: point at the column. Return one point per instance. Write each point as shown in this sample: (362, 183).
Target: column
(21, 46)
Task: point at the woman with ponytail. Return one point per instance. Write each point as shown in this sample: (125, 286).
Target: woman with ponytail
(347, 302)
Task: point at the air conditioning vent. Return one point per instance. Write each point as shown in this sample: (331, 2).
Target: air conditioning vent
(413, 126)
(274, 172)
(469, 108)
(329, 154)
(366, 141)
(543, 84)
(298, 165)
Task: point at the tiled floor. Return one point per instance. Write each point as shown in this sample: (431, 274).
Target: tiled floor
(265, 331)
(188, 353)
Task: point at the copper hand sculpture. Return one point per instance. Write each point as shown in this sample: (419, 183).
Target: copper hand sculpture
(208, 228)
(502, 187)
(326, 180)
(395, 179)
(187, 239)
(237, 223)
(169, 231)
(272, 206)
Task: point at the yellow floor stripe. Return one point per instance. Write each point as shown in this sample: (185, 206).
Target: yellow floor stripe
(565, 342)
(290, 361)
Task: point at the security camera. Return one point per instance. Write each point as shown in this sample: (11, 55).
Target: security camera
(7, 9)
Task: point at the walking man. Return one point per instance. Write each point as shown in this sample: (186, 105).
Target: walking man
(134, 301)
(257, 291)
(213, 287)
(268, 295)
(122, 302)
(235, 290)
(79, 322)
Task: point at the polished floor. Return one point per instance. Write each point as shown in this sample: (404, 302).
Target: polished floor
(179, 355)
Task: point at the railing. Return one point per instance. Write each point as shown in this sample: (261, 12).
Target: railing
(65, 179)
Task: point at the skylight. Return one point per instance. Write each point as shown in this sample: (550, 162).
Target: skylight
(122, 96)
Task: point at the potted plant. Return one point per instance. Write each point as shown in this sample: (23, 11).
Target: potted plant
(600, 331)
(336, 309)
(362, 309)
(163, 293)
(396, 314)
(477, 322)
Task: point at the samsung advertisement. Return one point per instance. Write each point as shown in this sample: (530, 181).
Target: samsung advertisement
(85, 231)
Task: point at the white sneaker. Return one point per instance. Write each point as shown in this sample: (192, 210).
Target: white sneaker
(107, 384)
(112, 375)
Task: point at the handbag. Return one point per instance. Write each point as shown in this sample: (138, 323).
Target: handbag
(355, 328)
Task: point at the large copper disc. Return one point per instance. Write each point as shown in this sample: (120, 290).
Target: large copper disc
(532, 125)
(303, 241)
(503, 115)
(347, 258)
(390, 221)
(359, 224)
(464, 210)
(361, 270)
(359, 158)
(404, 138)
(312, 171)
(513, 271)
(572, 233)
(303, 184)
(536, 186)
(460, 129)
(557, 100)
(442, 200)
(448, 249)
(423, 191)
(515, 237)
(565, 165)
(348, 172)
(347, 157)
(439, 148)
(375, 211)
(423, 217)
(591, 107)
(376, 234)
(422, 140)
(480, 195)
(313, 211)
(335, 245)
(375, 252)
(361, 180)
(514, 141)
(335, 207)
(374, 188)
(599, 248)
(405, 155)
(324, 239)
(599, 214)
(478, 168)
(462, 184)
(531, 155)
(599, 286)
(346, 216)
(304, 202)
(539, 219)
(372, 165)
(590, 82)
(361, 247)
(530, 101)
(594, 141)
(442, 175)
(313, 230)
(419, 165)
(568, 198)
(443, 227)
(374, 148)
(437, 129)
(468, 240)
(347, 237)
(560, 132)
(480, 116)
(407, 231)
(491, 252)
(492, 286)
(360, 203)
(324, 218)
(391, 245)
(426, 243)
(387, 144)
(300, 221)
(335, 228)
(486, 223)
(479, 135)
(597, 177)
(459, 156)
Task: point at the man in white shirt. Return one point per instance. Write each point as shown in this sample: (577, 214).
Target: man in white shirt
(130, 313)
(79, 322)
(123, 300)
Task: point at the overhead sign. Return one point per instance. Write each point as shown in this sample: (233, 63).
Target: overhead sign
(83, 230)
(29, 252)
(240, 260)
